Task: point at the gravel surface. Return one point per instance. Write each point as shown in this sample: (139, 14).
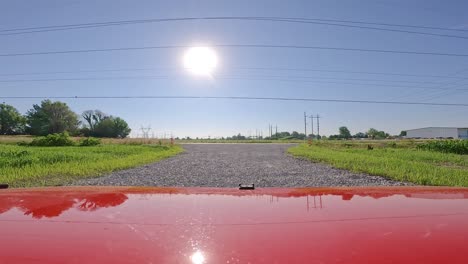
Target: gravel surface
(228, 165)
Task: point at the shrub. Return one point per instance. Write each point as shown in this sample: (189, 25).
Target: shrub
(23, 143)
(53, 140)
(90, 141)
(446, 146)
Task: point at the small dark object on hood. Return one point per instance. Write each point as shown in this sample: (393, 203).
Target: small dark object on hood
(247, 186)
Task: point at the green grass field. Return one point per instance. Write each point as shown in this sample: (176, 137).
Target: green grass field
(395, 160)
(22, 166)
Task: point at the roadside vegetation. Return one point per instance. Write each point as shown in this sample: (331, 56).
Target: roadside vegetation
(26, 166)
(402, 160)
(238, 141)
(61, 140)
(56, 117)
(36, 148)
(24, 139)
(446, 146)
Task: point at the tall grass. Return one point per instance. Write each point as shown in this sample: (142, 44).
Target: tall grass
(446, 146)
(22, 166)
(403, 164)
(124, 141)
(242, 141)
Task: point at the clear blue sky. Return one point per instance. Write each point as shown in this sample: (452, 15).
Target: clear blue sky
(222, 117)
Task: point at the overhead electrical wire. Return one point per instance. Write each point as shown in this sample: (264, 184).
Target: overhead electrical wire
(226, 76)
(233, 68)
(374, 23)
(450, 86)
(237, 46)
(374, 28)
(237, 98)
(327, 22)
(150, 20)
(342, 71)
(447, 86)
(260, 78)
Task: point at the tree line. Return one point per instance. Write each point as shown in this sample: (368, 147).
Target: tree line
(372, 133)
(56, 117)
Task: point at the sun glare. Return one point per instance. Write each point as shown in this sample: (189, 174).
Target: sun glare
(197, 258)
(200, 60)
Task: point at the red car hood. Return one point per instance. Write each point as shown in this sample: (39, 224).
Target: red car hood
(200, 225)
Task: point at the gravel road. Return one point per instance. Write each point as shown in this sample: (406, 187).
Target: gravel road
(228, 165)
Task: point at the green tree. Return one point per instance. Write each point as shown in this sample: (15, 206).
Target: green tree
(372, 132)
(51, 117)
(93, 117)
(284, 134)
(360, 135)
(238, 137)
(121, 128)
(295, 134)
(99, 124)
(376, 134)
(111, 126)
(403, 133)
(11, 121)
(344, 132)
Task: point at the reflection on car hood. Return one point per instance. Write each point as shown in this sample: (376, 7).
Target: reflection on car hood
(205, 225)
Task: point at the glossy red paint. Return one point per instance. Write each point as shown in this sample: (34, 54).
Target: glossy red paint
(197, 225)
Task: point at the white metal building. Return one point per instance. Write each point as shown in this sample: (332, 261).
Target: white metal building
(438, 132)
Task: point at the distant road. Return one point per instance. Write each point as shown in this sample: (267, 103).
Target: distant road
(228, 165)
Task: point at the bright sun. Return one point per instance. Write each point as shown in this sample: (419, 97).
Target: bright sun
(200, 60)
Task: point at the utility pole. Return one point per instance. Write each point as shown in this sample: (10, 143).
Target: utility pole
(305, 126)
(318, 126)
(312, 126)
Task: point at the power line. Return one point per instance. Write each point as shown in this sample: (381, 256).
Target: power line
(449, 88)
(342, 71)
(235, 68)
(316, 21)
(221, 76)
(450, 85)
(237, 98)
(262, 78)
(228, 77)
(374, 23)
(374, 28)
(81, 71)
(238, 46)
(151, 20)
